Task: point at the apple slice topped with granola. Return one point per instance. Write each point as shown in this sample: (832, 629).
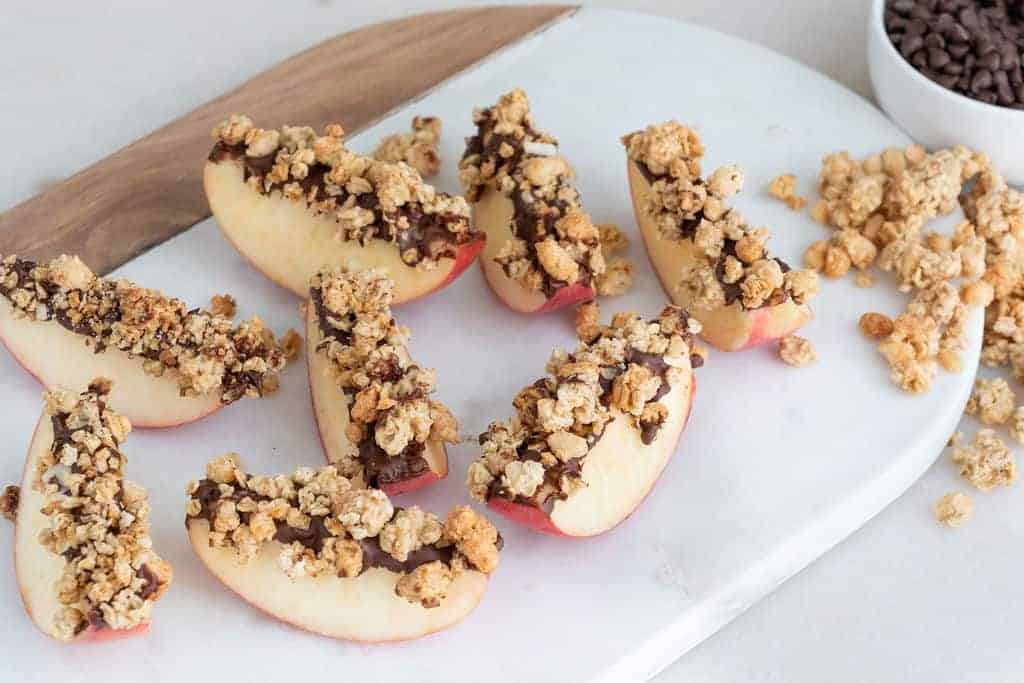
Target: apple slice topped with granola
(377, 424)
(589, 441)
(171, 364)
(83, 555)
(293, 202)
(542, 251)
(318, 552)
(708, 259)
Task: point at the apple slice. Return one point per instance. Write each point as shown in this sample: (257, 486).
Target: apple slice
(58, 352)
(364, 571)
(590, 442)
(543, 253)
(40, 568)
(285, 230)
(711, 262)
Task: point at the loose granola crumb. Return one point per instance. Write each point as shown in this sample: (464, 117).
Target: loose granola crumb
(9, 503)
(992, 401)
(797, 351)
(1017, 425)
(291, 345)
(784, 188)
(322, 523)
(876, 325)
(419, 149)
(612, 239)
(987, 463)
(389, 407)
(954, 509)
(618, 369)
(206, 352)
(617, 279)
(223, 304)
(864, 280)
(97, 521)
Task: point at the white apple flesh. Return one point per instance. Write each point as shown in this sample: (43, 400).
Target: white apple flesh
(37, 568)
(493, 214)
(331, 407)
(619, 471)
(58, 357)
(289, 244)
(730, 328)
(363, 608)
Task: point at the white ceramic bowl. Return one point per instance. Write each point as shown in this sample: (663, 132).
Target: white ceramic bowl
(937, 117)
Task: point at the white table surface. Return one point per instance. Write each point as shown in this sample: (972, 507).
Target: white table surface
(903, 599)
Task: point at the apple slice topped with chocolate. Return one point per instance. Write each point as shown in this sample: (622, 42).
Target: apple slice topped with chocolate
(322, 554)
(293, 202)
(377, 423)
(708, 259)
(171, 364)
(589, 441)
(83, 555)
(543, 252)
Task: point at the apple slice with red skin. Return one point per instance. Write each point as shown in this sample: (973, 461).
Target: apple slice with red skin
(619, 471)
(37, 568)
(730, 328)
(363, 608)
(331, 407)
(58, 357)
(288, 243)
(492, 213)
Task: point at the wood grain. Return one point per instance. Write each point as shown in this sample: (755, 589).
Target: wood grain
(151, 190)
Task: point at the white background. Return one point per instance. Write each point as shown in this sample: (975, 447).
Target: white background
(902, 599)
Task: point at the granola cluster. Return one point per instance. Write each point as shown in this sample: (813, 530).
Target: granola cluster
(554, 242)
(879, 208)
(620, 369)
(418, 149)
(324, 523)
(734, 263)
(389, 408)
(797, 351)
(986, 463)
(368, 199)
(97, 521)
(784, 188)
(954, 509)
(207, 353)
(992, 401)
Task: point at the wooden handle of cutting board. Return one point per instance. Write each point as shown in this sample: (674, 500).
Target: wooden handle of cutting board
(151, 190)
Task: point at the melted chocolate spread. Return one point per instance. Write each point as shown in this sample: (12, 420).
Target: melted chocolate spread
(379, 467)
(688, 230)
(528, 213)
(428, 234)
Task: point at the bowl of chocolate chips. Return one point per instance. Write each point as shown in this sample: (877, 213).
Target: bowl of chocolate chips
(949, 72)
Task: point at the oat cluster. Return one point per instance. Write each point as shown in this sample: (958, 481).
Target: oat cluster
(734, 263)
(879, 207)
(992, 401)
(620, 369)
(418, 148)
(368, 199)
(388, 392)
(324, 523)
(986, 463)
(797, 351)
(784, 188)
(954, 509)
(96, 520)
(554, 243)
(206, 353)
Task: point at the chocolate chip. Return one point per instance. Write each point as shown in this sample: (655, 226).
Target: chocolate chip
(937, 57)
(911, 44)
(982, 80)
(958, 51)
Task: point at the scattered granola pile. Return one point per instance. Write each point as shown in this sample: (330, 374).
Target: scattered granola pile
(97, 521)
(784, 188)
(326, 523)
(554, 242)
(879, 208)
(797, 351)
(418, 149)
(733, 264)
(623, 368)
(391, 417)
(954, 509)
(369, 199)
(207, 353)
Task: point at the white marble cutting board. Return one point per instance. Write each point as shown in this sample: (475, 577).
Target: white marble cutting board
(777, 466)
